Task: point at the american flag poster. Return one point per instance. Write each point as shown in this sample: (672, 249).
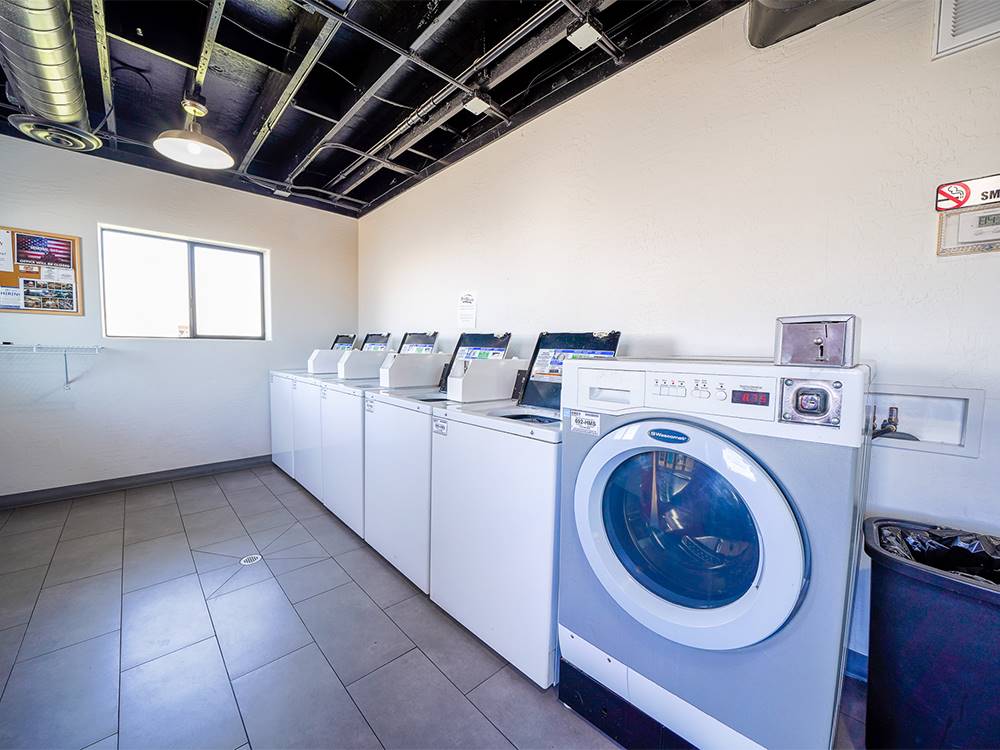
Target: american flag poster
(33, 249)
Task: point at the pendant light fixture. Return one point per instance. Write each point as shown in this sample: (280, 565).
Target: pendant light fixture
(191, 146)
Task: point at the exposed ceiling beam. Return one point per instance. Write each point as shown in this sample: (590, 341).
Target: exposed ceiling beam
(432, 109)
(374, 88)
(280, 89)
(409, 54)
(517, 57)
(197, 80)
(104, 62)
(146, 48)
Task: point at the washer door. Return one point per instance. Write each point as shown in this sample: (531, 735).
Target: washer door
(689, 534)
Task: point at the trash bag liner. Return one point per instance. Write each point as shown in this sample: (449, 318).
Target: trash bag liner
(976, 556)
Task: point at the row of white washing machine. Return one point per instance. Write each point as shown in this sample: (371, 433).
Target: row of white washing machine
(454, 484)
(673, 540)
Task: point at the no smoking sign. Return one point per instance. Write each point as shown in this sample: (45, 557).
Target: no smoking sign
(978, 192)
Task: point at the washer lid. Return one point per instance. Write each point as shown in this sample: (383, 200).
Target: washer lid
(689, 534)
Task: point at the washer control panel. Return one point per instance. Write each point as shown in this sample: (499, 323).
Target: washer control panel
(726, 395)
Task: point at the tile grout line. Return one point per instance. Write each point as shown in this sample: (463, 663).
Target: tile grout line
(161, 656)
(461, 692)
(311, 635)
(483, 682)
(381, 666)
(220, 586)
(41, 588)
(81, 578)
(441, 671)
(102, 740)
(215, 633)
(121, 610)
(313, 596)
(151, 585)
(68, 645)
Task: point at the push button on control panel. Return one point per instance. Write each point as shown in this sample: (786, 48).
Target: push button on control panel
(811, 401)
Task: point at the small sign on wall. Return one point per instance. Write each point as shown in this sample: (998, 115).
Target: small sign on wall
(968, 216)
(467, 305)
(968, 193)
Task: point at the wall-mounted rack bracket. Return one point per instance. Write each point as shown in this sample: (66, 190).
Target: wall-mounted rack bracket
(65, 351)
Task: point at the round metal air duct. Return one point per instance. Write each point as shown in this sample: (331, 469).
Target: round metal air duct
(42, 66)
(58, 134)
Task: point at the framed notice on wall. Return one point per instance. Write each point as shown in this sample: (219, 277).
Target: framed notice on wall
(40, 272)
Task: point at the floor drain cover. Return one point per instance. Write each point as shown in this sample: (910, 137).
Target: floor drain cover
(250, 560)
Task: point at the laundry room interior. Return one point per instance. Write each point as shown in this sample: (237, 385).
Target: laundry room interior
(499, 373)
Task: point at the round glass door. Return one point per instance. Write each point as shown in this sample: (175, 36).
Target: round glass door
(681, 529)
(689, 534)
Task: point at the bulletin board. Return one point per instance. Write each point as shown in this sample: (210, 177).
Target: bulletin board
(40, 272)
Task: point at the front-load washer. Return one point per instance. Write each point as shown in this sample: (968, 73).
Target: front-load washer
(494, 499)
(709, 535)
(397, 444)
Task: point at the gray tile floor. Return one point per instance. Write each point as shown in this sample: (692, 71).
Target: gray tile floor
(127, 620)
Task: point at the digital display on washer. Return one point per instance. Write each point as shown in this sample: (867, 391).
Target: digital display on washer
(472, 346)
(544, 386)
(991, 220)
(418, 343)
(752, 398)
(343, 342)
(376, 342)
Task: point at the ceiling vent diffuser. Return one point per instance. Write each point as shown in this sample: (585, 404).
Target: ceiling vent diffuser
(965, 23)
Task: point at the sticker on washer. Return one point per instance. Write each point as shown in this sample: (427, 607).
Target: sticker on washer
(585, 422)
(440, 426)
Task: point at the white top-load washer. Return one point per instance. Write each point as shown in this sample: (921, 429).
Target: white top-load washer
(494, 501)
(342, 415)
(398, 448)
(709, 531)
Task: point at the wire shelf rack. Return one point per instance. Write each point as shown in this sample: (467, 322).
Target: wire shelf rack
(64, 351)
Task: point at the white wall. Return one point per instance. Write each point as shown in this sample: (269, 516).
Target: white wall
(698, 195)
(151, 404)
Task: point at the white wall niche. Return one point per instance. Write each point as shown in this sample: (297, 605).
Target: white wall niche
(947, 420)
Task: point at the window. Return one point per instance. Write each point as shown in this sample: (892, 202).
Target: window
(160, 287)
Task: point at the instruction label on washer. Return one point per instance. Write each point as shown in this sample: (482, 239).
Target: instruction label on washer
(440, 426)
(585, 422)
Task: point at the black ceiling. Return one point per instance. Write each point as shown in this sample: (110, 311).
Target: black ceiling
(346, 103)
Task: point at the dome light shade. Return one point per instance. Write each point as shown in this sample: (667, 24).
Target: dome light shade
(194, 148)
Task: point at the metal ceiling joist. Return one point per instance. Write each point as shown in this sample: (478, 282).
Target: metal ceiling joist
(409, 55)
(431, 114)
(207, 45)
(358, 152)
(104, 62)
(280, 90)
(372, 90)
(150, 50)
(513, 59)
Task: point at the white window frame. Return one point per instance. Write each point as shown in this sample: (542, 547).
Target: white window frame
(264, 257)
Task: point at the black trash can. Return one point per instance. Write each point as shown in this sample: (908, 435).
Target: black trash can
(934, 638)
